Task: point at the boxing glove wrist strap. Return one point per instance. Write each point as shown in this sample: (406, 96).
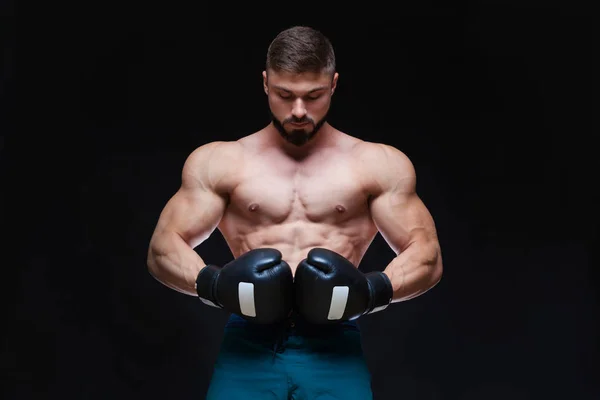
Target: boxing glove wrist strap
(205, 285)
(381, 289)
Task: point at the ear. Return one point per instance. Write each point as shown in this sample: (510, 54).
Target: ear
(265, 85)
(334, 82)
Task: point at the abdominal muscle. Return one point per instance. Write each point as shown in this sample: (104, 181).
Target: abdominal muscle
(295, 239)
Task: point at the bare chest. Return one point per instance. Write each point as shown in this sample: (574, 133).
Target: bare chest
(328, 192)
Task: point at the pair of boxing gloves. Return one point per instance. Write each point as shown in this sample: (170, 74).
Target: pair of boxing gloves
(260, 287)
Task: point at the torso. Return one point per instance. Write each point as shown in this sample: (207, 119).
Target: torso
(294, 206)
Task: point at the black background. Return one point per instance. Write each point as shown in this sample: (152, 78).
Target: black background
(491, 101)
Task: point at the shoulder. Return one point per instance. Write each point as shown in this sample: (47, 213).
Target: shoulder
(386, 155)
(210, 164)
(213, 152)
(385, 167)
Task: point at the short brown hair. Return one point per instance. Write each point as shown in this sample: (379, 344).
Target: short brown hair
(301, 49)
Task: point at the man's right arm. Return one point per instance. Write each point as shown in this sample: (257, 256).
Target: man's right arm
(189, 218)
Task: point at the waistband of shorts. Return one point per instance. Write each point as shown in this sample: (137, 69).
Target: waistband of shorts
(293, 323)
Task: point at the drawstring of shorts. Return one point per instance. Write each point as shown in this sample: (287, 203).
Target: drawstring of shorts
(282, 334)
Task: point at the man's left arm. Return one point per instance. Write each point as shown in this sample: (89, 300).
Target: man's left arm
(407, 226)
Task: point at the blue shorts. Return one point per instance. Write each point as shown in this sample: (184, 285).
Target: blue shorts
(294, 360)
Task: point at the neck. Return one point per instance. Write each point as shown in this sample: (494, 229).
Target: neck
(322, 139)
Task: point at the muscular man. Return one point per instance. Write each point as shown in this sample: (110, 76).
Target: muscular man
(298, 203)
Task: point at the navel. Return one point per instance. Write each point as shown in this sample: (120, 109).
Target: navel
(253, 207)
(340, 208)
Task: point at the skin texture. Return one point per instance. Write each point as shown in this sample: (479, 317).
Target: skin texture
(293, 189)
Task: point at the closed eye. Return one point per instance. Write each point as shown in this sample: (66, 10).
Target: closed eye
(313, 94)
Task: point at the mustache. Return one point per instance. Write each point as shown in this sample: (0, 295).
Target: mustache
(298, 120)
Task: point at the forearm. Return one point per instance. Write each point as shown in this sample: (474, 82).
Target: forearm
(174, 263)
(415, 270)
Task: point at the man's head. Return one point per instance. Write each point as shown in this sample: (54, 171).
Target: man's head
(299, 80)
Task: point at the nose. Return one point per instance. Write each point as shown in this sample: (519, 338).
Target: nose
(299, 109)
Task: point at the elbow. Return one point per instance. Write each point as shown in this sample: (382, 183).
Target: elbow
(437, 268)
(433, 267)
(153, 267)
(151, 262)
(437, 274)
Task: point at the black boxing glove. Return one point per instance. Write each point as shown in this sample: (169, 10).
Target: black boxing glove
(329, 289)
(258, 286)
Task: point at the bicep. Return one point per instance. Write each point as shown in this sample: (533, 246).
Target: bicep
(195, 211)
(193, 214)
(402, 218)
(397, 210)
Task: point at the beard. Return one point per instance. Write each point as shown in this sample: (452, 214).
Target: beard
(298, 137)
